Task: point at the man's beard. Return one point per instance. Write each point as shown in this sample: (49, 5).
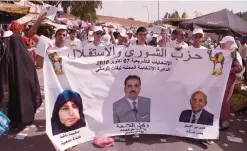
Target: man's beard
(59, 44)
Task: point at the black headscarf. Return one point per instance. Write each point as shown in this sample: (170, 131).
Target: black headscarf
(1, 48)
(1, 85)
(65, 96)
(18, 71)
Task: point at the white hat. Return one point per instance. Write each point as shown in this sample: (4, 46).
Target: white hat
(60, 27)
(229, 38)
(155, 35)
(105, 28)
(106, 39)
(130, 32)
(97, 28)
(123, 33)
(7, 33)
(197, 31)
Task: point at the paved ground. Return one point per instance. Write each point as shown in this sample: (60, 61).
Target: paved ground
(37, 140)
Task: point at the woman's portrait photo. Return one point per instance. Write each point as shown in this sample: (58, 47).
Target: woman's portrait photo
(67, 113)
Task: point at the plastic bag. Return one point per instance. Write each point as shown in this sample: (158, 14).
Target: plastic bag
(4, 123)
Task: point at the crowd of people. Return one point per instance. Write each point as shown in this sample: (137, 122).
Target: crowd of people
(20, 56)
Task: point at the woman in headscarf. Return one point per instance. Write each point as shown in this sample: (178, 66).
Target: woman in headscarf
(228, 44)
(67, 113)
(18, 71)
(1, 50)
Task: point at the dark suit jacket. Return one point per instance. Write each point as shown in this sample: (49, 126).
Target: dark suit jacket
(123, 112)
(206, 118)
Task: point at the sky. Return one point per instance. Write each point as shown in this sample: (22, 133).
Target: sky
(136, 9)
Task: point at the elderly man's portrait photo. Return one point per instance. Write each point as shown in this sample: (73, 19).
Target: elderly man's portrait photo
(197, 114)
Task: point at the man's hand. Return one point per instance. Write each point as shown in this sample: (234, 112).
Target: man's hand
(42, 17)
(127, 44)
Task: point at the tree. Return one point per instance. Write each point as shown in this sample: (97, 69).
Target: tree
(85, 10)
(166, 15)
(243, 15)
(169, 15)
(172, 15)
(184, 15)
(240, 14)
(175, 15)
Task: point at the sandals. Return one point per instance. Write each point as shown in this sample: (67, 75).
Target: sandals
(224, 126)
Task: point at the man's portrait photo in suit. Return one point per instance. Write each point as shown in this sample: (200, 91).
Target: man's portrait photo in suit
(198, 114)
(132, 107)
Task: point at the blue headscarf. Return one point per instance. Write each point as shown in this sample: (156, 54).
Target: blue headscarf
(62, 98)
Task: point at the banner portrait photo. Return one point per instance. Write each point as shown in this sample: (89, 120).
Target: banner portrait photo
(118, 90)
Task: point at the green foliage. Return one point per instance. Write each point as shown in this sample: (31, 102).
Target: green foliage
(85, 10)
(184, 15)
(150, 25)
(175, 15)
(242, 15)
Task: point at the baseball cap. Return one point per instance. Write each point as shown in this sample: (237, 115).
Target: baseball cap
(97, 28)
(130, 32)
(60, 27)
(7, 33)
(123, 33)
(155, 35)
(197, 31)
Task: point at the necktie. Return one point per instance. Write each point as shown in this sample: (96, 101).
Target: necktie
(134, 106)
(193, 119)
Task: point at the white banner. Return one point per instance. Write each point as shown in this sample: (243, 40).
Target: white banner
(119, 91)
